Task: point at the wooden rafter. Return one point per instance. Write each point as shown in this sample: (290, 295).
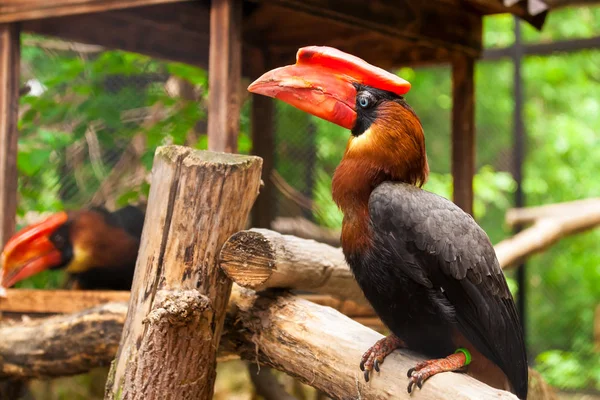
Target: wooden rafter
(23, 10)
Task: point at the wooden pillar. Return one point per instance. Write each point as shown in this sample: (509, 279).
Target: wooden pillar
(224, 75)
(463, 130)
(263, 145)
(9, 106)
(177, 307)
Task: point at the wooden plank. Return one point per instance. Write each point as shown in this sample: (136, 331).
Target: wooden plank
(23, 10)
(33, 301)
(463, 130)
(164, 31)
(41, 301)
(10, 55)
(225, 74)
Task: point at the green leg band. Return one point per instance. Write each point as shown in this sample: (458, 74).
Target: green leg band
(466, 353)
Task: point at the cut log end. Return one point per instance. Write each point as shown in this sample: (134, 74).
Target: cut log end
(248, 259)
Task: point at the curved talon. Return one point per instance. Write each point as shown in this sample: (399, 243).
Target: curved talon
(367, 375)
(420, 382)
(410, 372)
(362, 365)
(376, 365)
(410, 384)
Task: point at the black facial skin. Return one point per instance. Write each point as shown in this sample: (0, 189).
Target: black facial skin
(367, 100)
(60, 239)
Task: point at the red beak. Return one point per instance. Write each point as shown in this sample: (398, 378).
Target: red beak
(323, 83)
(30, 251)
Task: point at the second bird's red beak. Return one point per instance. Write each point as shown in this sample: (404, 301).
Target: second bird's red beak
(30, 251)
(323, 83)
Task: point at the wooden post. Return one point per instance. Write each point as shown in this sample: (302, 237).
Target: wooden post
(169, 344)
(9, 107)
(263, 145)
(463, 130)
(224, 75)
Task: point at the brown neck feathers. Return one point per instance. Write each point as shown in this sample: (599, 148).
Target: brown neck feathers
(393, 149)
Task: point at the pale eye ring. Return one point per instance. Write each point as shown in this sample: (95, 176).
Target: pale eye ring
(364, 101)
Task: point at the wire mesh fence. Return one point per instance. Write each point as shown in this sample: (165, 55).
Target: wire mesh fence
(92, 119)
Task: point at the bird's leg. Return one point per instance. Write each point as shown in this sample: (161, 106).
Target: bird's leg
(378, 352)
(426, 369)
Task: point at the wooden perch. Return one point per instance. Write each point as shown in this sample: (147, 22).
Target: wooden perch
(322, 348)
(319, 336)
(259, 259)
(63, 345)
(552, 223)
(528, 215)
(179, 295)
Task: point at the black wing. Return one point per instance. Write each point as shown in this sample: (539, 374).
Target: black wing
(128, 218)
(456, 255)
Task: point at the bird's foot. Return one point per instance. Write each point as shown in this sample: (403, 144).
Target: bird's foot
(378, 352)
(426, 369)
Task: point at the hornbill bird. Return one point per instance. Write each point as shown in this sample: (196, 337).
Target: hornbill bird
(429, 271)
(97, 248)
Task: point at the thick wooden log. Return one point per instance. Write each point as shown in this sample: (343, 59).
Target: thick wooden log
(319, 337)
(322, 348)
(463, 130)
(179, 295)
(10, 56)
(62, 345)
(224, 75)
(261, 259)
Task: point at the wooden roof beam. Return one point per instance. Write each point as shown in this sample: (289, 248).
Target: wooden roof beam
(426, 24)
(23, 10)
(167, 33)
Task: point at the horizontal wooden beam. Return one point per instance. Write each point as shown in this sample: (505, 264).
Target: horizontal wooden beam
(37, 301)
(544, 49)
(40, 301)
(179, 32)
(23, 10)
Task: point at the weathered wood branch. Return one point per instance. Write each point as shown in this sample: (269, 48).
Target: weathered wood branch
(528, 215)
(179, 294)
(546, 231)
(259, 259)
(322, 347)
(62, 345)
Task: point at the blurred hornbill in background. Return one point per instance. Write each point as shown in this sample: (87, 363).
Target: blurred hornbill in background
(97, 248)
(427, 268)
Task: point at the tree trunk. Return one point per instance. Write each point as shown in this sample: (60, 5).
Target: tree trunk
(179, 295)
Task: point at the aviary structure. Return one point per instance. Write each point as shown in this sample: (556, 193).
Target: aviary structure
(97, 248)
(427, 268)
